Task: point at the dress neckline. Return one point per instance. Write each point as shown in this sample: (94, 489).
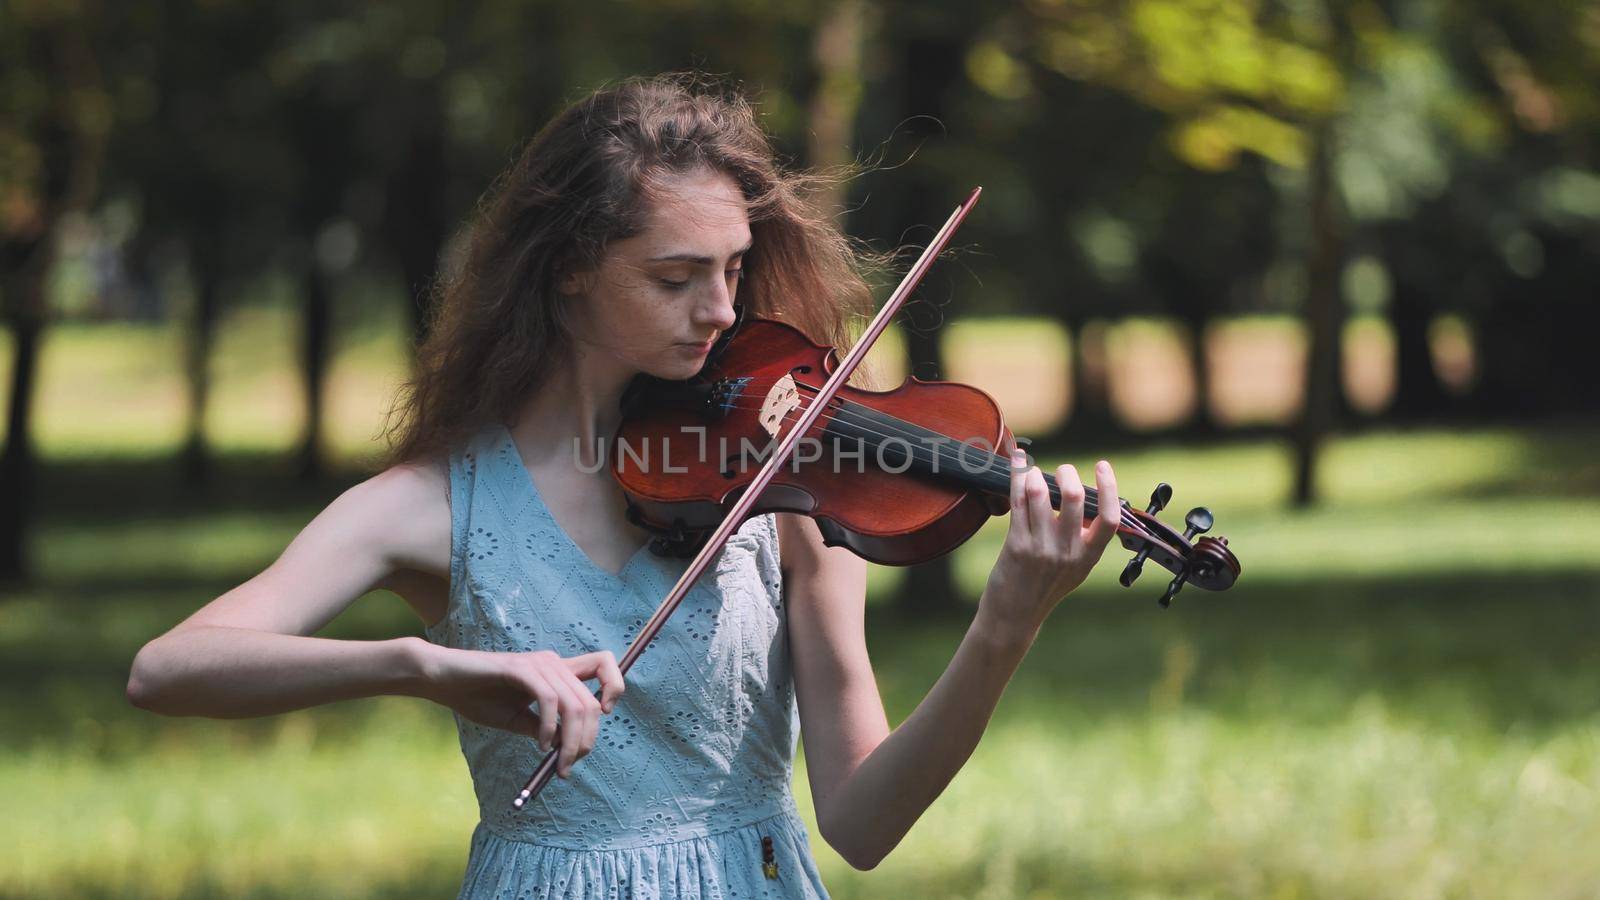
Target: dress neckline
(525, 476)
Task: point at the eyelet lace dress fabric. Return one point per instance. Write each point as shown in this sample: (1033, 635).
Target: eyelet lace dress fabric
(687, 791)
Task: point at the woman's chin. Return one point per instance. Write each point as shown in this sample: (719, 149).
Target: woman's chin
(683, 368)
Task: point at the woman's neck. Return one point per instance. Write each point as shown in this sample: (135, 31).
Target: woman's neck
(576, 410)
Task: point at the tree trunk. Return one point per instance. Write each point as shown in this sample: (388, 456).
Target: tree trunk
(329, 161)
(196, 462)
(931, 68)
(1418, 393)
(1200, 371)
(314, 363)
(25, 302)
(416, 222)
(1323, 319)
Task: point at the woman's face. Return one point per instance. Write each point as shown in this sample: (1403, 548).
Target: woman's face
(659, 299)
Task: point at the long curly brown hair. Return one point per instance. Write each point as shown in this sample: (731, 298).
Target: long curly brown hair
(497, 329)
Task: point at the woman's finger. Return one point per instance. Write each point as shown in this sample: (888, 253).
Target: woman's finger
(1039, 511)
(603, 666)
(571, 725)
(1019, 489)
(1104, 527)
(549, 705)
(590, 715)
(1069, 524)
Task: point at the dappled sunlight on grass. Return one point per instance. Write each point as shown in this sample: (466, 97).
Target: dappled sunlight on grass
(1316, 743)
(1255, 365)
(197, 812)
(1149, 374)
(257, 398)
(119, 388)
(1343, 738)
(1395, 502)
(1185, 803)
(1432, 502)
(1376, 467)
(105, 389)
(176, 546)
(1030, 381)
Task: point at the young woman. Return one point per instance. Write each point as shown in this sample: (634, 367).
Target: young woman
(619, 244)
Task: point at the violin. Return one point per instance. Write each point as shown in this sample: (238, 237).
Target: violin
(899, 476)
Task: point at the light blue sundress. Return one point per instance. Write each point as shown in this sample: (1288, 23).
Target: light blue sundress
(687, 792)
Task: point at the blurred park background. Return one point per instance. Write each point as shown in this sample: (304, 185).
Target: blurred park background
(1327, 267)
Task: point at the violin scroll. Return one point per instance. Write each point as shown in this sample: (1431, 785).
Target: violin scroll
(1206, 562)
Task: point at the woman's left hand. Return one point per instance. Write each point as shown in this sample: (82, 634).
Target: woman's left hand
(1047, 554)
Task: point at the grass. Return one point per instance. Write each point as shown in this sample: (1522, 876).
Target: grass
(1400, 697)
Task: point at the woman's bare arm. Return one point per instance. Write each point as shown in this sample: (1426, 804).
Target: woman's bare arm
(247, 653)
(871, 784)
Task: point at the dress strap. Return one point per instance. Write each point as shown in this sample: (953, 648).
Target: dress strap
(462, 465)
(463, 469)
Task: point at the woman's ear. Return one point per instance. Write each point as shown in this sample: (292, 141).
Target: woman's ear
(572, 277)
(569, 282)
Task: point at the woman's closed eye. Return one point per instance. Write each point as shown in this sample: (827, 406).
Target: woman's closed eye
(674, 284)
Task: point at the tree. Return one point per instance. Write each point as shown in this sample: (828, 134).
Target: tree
(1233, 78)
(52, 140)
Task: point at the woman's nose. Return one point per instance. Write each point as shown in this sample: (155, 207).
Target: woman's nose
(718, 310)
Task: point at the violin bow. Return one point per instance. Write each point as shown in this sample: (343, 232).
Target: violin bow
(735, 517)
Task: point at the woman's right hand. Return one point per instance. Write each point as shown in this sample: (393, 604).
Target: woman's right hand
(496, 689)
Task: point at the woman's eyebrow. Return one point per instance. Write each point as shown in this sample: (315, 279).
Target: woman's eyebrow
(699, 260)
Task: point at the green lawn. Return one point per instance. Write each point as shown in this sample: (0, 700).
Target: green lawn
(1401, 697)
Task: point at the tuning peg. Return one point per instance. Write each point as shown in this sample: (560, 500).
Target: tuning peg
(1130, 572)
(1172, 589)
(1159, 498)
(1199, 521)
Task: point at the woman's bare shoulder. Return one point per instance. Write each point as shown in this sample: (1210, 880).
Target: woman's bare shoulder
(413, 481)
(391, 531)
(409, 504)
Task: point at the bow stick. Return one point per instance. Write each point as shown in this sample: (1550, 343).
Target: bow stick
(735, 517)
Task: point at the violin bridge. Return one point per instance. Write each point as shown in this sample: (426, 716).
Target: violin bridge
(781, 400)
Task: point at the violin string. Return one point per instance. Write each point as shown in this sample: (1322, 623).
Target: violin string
(997, 466)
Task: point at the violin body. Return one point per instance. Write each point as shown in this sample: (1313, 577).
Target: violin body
(880, 515)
